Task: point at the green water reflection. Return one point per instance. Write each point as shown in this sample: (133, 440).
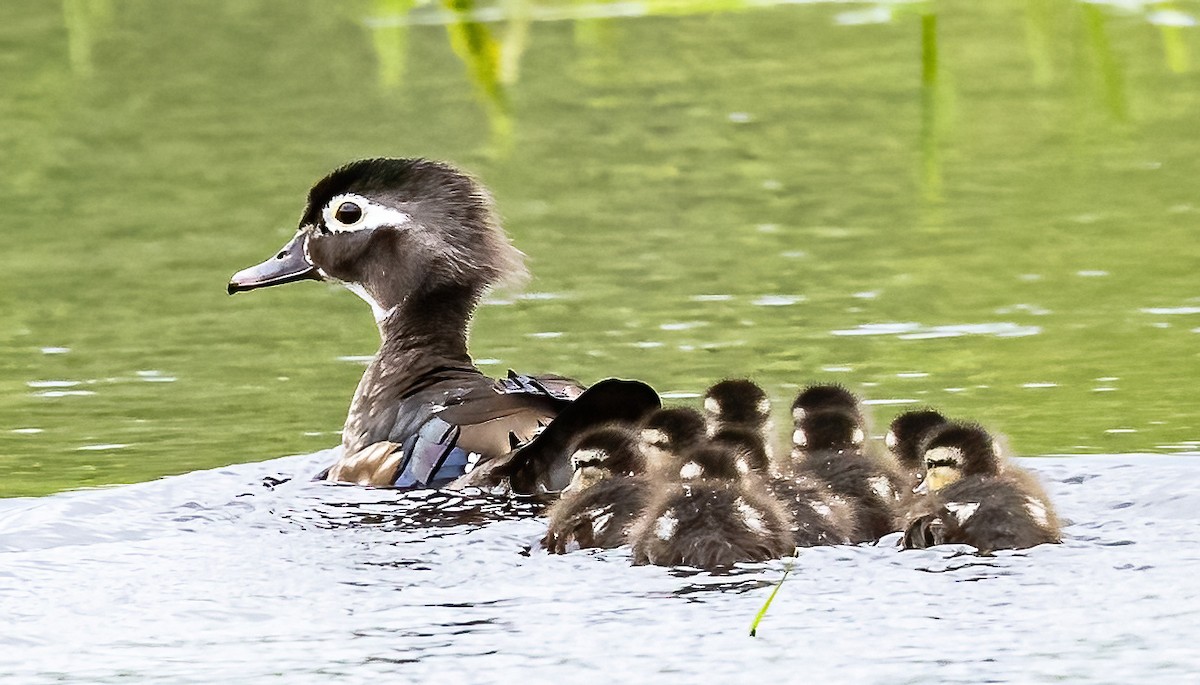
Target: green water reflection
(989, 207)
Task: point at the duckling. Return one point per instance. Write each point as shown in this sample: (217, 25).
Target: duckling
(974, 499)
(828, 446)
(748, 446)
(606, 494)
(832, 396)
(419, 241)
(904, 437)
(714, 516)
(668, 433)
(819, 517)
(740, 403)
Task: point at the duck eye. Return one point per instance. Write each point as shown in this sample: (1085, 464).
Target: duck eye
(348, 213)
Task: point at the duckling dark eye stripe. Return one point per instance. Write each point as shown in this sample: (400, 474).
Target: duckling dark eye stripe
(935, 463)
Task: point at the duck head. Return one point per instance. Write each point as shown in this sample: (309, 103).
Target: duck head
(956, 450)
(395, 232)
(822, 397)
(603, 453)
(835, 429)
(752, 456)
(736, 401)
(710, 462)
(670, 432)
(906, 432)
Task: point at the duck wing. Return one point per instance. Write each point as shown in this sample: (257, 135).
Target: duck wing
(543, 464)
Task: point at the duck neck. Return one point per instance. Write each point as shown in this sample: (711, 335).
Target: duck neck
(424, 340)
(428, 324)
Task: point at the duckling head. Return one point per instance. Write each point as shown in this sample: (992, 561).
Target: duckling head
(710, 462)
(670, 432)
(736, 401)
(955, 450)
(747, 444)
(832, 429)
(906, 432)
(821, 397)
(605, 452)
(395, 231)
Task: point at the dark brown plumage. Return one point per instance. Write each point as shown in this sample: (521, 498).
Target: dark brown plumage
(976, 499)
(828, 446)
(904, 438)
(606, 495)
(420, 242)
(712, 518)
(740, 404)
(668, 433)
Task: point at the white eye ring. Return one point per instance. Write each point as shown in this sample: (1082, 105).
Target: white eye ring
(371, 214)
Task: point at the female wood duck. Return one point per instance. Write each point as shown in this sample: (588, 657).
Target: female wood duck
(420, 242)
(827, 444)
(606, 495)
(712, 516)
(975, 499)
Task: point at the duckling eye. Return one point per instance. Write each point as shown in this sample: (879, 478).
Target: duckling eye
(348, 213)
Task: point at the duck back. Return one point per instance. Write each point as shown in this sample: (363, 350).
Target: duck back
(873, 489)
(598, 517)
(819, 516)
(988, 513)
(710, 525)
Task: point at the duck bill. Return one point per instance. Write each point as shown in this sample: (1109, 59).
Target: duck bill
(290, 264)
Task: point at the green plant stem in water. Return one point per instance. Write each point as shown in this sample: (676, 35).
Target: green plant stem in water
(767, 604)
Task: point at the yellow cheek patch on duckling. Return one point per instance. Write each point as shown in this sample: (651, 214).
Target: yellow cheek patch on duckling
(938, 477)
(584, 478)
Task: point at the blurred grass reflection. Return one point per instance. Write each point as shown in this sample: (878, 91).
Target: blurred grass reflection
(989, 207)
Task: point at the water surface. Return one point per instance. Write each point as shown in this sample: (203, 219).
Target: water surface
(226, 575)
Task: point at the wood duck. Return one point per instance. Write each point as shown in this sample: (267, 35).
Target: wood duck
(904, 438)
(710, 516)
(740, 403)
(606, 495)
(827, 445)
(975, 499)
(419, 241)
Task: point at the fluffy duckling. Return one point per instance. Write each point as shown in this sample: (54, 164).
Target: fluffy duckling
(828, 445)
(747, 444)
(819, 516)
(740, 403)
(975, 499)
(668, 433)
(606, 494)
(904, 438)
(713, 517)
(819, 397)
